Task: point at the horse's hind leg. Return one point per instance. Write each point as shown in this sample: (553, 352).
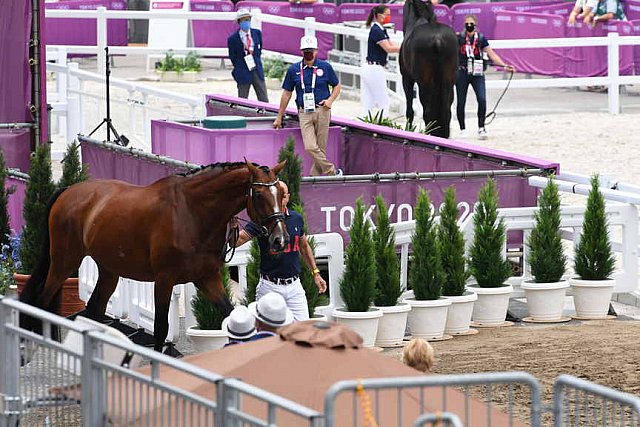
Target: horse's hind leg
(106, 285)
(408, 85)
(59, 271)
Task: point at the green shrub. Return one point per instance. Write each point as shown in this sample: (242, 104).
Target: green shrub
(594, 258)
(452, 248)
(292, 172)
(487, 263)
(39, 190)
(73, 171)
(426, 275)
(546, 256)
(358, 282)
(274, 68)
(210, 315)
(388, 289)
(191, 62)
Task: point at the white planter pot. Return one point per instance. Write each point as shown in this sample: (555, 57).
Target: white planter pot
(545, 300)
(428, 319)
(273, 84)
(491, 307)
(392, 325)
(365, 323)
(592, 297)
(459, 313)
(205, 340)
(183, 77)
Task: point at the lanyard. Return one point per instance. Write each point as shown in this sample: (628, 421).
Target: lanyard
(313, 79)
(471, 47)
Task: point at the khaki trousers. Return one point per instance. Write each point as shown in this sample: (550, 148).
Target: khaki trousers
(315, 132)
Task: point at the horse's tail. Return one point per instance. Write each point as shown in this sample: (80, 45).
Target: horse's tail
(35, 285)
(441, 95)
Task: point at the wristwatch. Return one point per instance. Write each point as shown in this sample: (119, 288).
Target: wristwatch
(315, 271)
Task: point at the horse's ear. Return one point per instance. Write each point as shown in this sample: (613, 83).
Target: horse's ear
(278, 168)
(252, 168)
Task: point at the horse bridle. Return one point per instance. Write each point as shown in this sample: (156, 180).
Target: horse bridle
(234, 231)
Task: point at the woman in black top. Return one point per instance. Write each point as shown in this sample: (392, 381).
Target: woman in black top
(373, 81)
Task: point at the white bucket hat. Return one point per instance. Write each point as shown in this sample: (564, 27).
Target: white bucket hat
(272, 310)
(240, 324)
(243, 13)
(308, 42)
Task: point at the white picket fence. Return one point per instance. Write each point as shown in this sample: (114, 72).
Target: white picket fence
(134, 300)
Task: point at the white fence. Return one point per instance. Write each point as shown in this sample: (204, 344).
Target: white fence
(135, 299)
(613, 42)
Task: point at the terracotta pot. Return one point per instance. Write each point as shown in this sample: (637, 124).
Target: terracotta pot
(70, 303)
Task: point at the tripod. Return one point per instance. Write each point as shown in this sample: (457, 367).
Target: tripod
(118, 139)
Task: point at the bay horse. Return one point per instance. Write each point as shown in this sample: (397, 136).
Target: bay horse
(169, 232)
(429, 57)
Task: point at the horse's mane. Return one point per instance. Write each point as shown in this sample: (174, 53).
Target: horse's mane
(219, 168)
(422, 10)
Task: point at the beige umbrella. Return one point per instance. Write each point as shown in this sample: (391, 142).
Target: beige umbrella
(300, 365)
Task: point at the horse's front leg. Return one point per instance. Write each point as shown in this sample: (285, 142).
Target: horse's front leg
(162, 297)
(408, 84)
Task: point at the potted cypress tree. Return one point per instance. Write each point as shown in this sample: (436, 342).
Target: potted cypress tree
(388, 290)
(207, 334)
(454, 263)
(357, 285)
(488, 264)
(594, 262)
(545, 293)
(428, 316)
(39, 190)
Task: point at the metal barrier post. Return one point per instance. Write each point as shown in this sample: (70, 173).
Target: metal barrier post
(613, 51)
(101, 29)
(94, 402)
(10, 402)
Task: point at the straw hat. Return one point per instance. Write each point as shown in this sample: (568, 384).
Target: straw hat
(272, 310)
(240, 324)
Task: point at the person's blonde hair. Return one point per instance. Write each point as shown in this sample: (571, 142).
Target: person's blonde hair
(419, 355)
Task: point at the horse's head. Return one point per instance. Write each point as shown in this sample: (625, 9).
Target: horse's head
(265, 204)
(414, 11)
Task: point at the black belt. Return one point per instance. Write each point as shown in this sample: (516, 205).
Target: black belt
(280, 280)
(375, 63)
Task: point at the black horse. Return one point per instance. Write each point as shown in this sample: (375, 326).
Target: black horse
(429, 57)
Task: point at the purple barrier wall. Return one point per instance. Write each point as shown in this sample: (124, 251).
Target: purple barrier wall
(524, 25)
(592, 61)
(16, 202)
(636, 49)
(16, 83)
(287, 39)
(204, 146)
(72, 31)
(360, 12)
(632, 9)
(109, 164)
(330, 206)
(212, 33)
(485, 12)
(562, 9)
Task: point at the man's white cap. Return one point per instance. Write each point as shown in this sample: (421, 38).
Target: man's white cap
(308, 42)
(240, 324)
(243, 13)
(272, 310)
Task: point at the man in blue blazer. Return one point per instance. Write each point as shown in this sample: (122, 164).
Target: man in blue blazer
(245, 50)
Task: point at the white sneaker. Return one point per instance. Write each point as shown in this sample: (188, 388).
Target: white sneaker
(463, 133)
(482, 134)
(339, 172)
